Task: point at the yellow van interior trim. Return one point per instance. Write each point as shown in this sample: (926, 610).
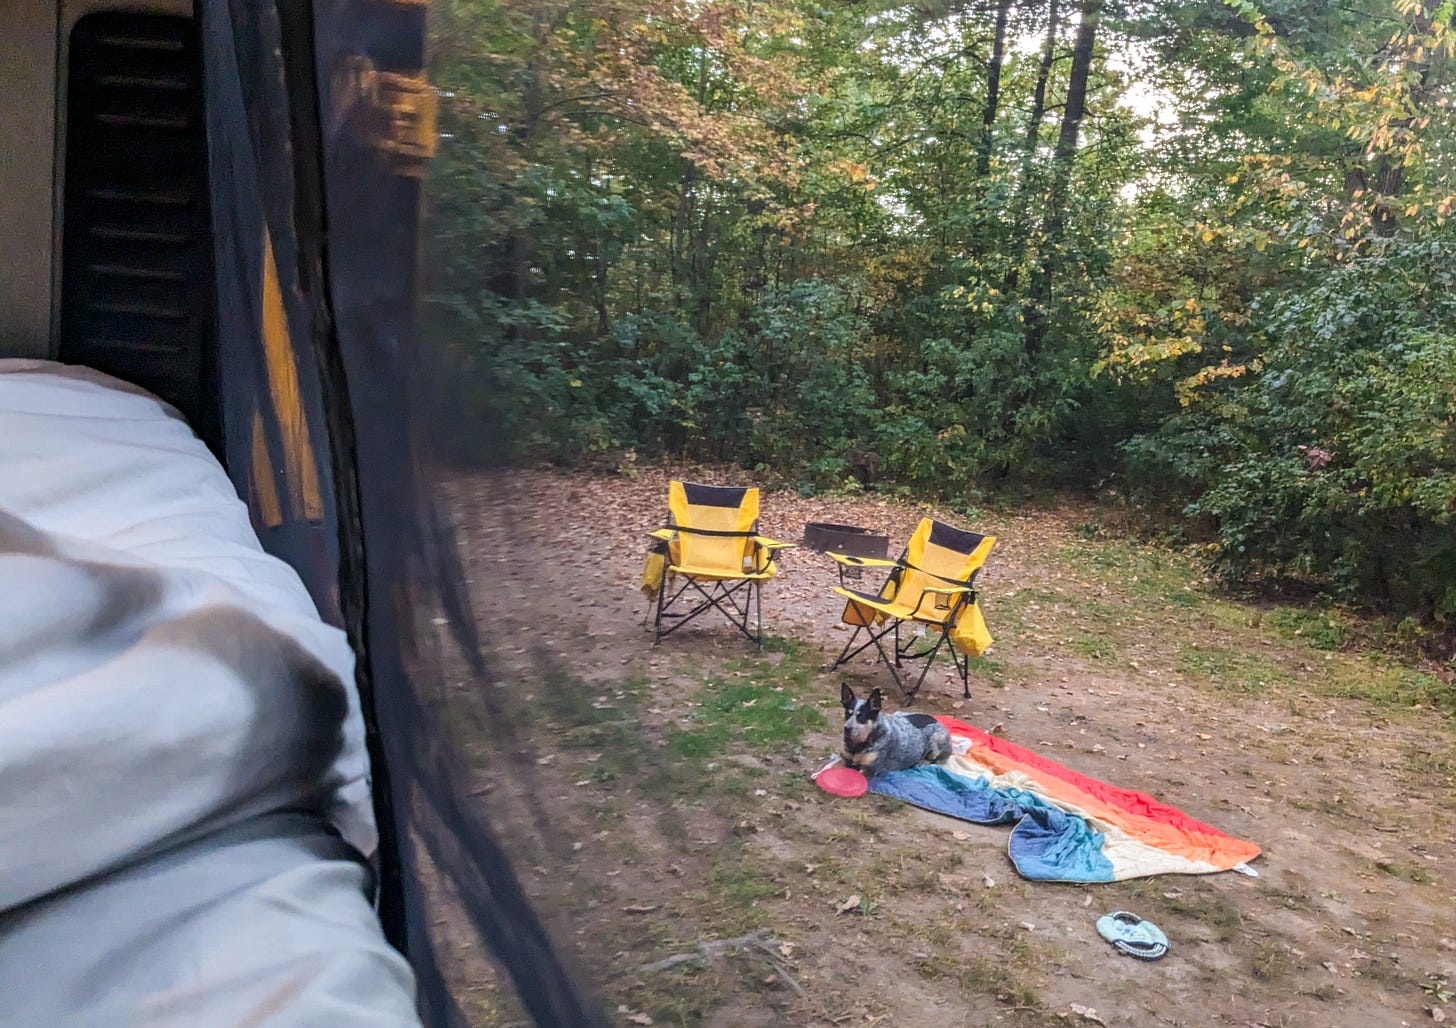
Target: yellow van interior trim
(306, 500)
(264, 489)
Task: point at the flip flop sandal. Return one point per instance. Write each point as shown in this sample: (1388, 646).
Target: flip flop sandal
(1130, 934)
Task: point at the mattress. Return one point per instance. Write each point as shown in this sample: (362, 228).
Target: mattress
(185, 814)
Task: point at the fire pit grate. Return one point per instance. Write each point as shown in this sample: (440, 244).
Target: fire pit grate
(850, 540)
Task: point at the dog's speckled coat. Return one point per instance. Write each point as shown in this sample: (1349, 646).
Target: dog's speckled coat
(876, 742)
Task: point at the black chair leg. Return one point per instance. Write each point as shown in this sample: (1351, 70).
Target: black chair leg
(929, 660)
(758, 603)
(844, 654)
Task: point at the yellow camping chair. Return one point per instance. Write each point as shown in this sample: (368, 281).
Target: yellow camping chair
(711, 543)
(929, 586)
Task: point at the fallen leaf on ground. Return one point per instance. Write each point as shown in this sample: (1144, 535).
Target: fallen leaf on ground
(850, 904)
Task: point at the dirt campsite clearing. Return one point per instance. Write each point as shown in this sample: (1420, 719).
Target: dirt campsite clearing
(658, 801)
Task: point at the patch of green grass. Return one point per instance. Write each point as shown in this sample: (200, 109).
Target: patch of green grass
(1271, 960)
(1319, 630)
(1094, 646)
(1408, 873)
(1381, 682)
(1432, 765)
(1338, 806)
(980, 975)
(1231, 669)
(735, 893)
(1435, 693)
(1146, 572)
(789, 647)
(750, 715)
(687, 994)
(1100, 610)
(985, 975)
(569, 702)
(594, 718)
(938, 966)
(906, 873)
(987, 666)
(759, 704)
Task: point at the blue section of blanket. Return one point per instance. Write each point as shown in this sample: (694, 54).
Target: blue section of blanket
(1047, 844)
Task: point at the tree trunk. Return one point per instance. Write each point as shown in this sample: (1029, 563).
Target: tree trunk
(1033, 137)
(604, 321)
(1054, 222)
(1038, 96)
(594, 245)
(993, 90)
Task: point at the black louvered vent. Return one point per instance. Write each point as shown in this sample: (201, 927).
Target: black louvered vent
(137, 294)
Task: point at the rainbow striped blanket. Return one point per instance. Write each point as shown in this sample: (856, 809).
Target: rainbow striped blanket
(1068, 827)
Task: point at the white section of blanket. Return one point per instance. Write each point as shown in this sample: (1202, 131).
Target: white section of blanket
(165, 688)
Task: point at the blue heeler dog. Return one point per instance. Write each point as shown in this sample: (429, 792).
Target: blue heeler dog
(875, 742)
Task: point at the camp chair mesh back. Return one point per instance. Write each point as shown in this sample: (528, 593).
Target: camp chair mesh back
(716, 526)
(709, 557)
(930, 585)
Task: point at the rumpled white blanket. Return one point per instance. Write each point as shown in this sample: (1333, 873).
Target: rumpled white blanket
(184, 794)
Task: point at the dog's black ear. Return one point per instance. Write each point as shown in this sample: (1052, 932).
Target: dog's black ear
(846, 695)
(876, 700)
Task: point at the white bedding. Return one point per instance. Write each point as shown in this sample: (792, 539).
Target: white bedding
(184, 795)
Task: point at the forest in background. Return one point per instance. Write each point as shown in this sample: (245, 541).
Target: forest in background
(1197, 254)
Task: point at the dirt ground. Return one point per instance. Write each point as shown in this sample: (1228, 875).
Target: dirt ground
(658, 800)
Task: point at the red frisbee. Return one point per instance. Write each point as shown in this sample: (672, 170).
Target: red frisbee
(843, 781)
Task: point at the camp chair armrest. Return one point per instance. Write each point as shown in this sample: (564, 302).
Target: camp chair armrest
(846, 561)
(863, 562)
(665, 534)
(958, 591)
(765, 550)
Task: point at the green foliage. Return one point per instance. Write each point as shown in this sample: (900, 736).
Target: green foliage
(1336, 462)
(809, 239)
